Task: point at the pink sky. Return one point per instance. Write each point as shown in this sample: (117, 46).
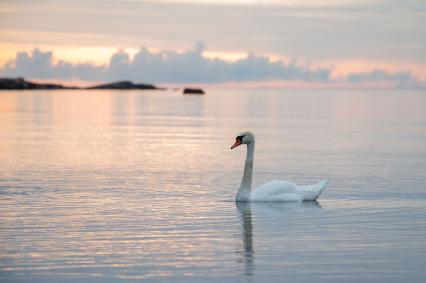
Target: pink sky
(343, 37)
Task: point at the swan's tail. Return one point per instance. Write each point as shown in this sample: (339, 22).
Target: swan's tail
(322, 185)
(312, 192)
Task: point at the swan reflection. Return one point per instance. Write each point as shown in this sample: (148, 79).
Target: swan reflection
(244, 211)
(269, 213)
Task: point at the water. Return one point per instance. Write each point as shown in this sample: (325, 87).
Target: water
(126, 186)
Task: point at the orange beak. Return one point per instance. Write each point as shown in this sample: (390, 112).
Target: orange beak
(237, 143)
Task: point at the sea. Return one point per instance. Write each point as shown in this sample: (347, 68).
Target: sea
(131, 186)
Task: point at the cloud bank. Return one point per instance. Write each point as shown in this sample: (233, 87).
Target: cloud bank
(184, 67)
(322, 30)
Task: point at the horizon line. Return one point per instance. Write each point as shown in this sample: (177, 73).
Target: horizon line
(85, 85)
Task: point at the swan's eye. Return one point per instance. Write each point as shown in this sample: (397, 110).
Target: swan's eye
(240, 138)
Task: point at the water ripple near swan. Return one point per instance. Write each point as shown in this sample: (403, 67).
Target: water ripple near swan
(127, 191)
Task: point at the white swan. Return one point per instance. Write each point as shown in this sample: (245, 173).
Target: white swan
(275, 190)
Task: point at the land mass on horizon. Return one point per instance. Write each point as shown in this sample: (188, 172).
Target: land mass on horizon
(22, 84)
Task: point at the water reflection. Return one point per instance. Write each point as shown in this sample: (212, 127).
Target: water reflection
(133, 187)
(271, 215)
(244, 211)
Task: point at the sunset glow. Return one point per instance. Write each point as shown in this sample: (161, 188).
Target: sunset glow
(321, 43)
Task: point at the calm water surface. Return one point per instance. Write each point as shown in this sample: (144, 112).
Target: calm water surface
(129, 186)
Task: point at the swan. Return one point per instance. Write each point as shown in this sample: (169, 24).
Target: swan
(275, 190)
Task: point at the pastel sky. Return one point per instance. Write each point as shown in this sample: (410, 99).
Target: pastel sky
(276, 42)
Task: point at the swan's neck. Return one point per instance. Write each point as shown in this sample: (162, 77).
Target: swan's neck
(245, 187)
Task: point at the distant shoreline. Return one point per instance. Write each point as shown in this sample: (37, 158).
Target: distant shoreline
(22, 84)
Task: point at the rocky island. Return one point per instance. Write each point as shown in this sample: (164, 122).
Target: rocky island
(22, 84)
(124, 85)
(193, 91)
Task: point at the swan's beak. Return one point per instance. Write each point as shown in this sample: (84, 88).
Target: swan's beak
(237, 143)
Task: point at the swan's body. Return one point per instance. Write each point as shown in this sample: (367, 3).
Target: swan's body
(275, 190)
(279, 190)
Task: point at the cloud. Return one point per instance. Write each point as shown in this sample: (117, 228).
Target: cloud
(402, 79)
(326, 30)
(189, 66)
(40, 65)
(379, 75)
(163, 67)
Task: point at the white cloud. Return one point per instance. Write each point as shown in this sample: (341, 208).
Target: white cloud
(402, 79)
(189, 66)
(391, 30)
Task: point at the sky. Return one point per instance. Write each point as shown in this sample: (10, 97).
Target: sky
(363, 43)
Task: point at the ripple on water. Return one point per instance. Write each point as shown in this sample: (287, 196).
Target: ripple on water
(129, 191)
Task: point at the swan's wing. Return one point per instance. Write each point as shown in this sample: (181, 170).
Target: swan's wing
(276, 190)
(312, 192)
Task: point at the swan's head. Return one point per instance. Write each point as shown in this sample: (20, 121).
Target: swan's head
(243, 138)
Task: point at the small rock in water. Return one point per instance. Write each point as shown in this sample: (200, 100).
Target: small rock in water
(193, 91)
